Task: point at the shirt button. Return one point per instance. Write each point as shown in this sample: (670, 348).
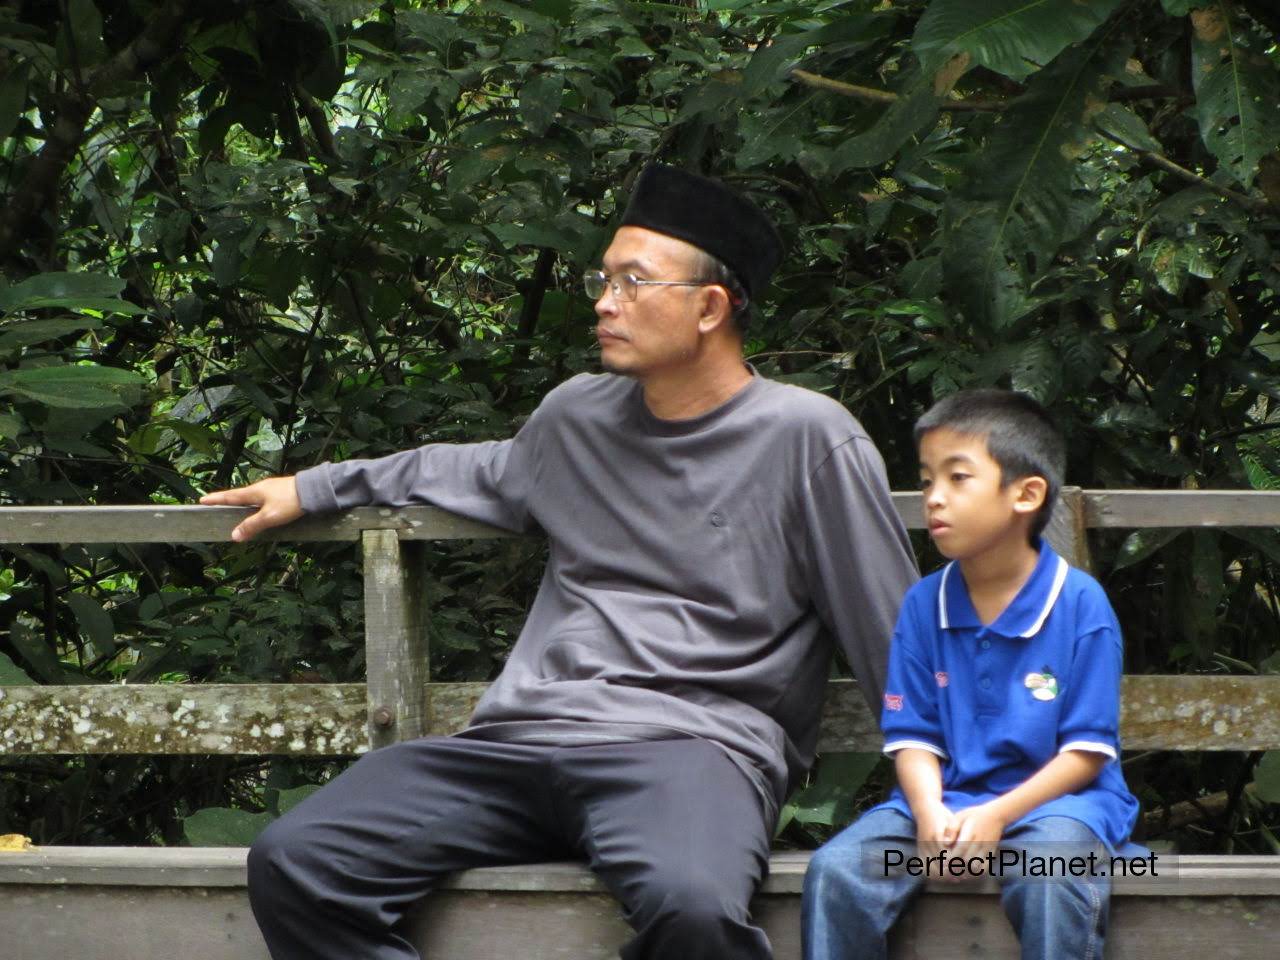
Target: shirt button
(985, 683)
(717, 520)
(986, 644)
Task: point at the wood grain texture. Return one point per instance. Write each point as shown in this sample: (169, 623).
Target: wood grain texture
(197, 524)
(126, 902)
(395, 637)
(1159, 713)
(298, 719)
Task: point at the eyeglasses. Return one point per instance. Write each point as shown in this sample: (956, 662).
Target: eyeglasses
(625, 286)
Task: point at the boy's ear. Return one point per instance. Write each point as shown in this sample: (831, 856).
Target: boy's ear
(1030, 493)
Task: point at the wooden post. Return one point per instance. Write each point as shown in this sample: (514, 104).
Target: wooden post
(395, 637)
(1066, 532)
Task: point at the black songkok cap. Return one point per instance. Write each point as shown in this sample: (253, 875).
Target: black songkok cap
(710, 216)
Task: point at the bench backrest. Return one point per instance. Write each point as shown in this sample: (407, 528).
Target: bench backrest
(398, 701)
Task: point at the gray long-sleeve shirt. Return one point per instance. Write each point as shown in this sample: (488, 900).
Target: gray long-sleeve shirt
(693, 564)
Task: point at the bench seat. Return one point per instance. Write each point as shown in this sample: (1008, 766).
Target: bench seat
(139, 903)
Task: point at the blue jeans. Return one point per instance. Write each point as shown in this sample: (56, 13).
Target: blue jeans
(851, 900)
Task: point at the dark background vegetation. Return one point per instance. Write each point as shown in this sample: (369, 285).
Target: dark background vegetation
(241, 238)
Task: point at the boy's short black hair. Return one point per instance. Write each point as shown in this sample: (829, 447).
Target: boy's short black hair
(1021, 438)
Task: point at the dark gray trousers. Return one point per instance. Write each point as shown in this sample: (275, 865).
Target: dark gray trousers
(673, 828)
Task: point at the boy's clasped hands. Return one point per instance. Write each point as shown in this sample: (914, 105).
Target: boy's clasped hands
(966, 836)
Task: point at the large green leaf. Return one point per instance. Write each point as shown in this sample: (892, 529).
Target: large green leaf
(915, 108)
(1013, 37)
(540, 98)
(1266, 777)
(60, 289)
(828, 800)
(95, 622)
(11, 675)
(13, 98)
(25, 333)
(1237, 92)
(1023, 198)
(223, 827)
(74, 386)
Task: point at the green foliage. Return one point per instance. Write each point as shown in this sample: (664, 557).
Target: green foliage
(1012, 37)
(1237, 90)
(263, 235)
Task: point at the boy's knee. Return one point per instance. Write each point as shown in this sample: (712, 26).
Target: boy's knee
(837, 870)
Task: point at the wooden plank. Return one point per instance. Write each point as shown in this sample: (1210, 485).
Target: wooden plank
(395, 637)
(167, 523)
(1209, 712)
(1182, 508)
(1159, 713)
(126, 902)
(300, 719)
(1187, 875)
(1200, 713)
(128, 923)
(140, 923)
(197, 524)
(125, 867)
(1066, 531)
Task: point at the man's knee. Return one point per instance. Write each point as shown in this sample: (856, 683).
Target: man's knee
(696, 904)
(277, 862)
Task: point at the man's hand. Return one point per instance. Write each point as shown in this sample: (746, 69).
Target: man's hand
(276, 498)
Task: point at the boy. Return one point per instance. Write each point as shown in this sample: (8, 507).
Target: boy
(1001, 706)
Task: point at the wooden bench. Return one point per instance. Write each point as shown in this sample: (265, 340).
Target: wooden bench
(141, 903)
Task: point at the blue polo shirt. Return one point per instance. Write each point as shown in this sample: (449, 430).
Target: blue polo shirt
(998, 702)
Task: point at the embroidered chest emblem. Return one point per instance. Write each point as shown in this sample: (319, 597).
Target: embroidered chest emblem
(942, 678)
(893, 701)
(1043, 686)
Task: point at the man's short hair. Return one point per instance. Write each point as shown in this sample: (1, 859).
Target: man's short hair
(1021, 438)
(711, 269)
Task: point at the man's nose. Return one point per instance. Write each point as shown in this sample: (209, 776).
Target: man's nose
(606, 304)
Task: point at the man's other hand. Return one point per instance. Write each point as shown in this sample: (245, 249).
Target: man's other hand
(276, 499)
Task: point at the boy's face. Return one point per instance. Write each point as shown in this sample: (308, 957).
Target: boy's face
(967, 511)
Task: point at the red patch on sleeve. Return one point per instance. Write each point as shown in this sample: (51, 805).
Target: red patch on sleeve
(893, 701)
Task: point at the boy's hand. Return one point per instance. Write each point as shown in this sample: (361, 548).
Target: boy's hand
(276, 498)
(975, 831)
(932, 824)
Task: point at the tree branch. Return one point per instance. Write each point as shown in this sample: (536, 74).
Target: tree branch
(318, 121)
(886, 97)
(24, 205)
(1156, 91)
(1252, 204)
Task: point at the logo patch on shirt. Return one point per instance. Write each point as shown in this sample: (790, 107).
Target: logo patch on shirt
(893, 701)
(942, 678)
(1043, 686)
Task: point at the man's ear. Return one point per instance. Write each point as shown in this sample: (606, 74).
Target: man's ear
(717, 309)
(1030, 493)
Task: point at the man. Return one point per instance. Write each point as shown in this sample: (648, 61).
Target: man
(705, 525)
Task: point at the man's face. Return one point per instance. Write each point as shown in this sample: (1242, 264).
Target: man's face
(968, 510)
(658, 331)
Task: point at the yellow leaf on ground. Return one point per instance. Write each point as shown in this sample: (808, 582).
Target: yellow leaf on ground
(14, 841)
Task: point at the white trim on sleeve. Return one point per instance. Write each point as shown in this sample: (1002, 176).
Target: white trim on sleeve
(1090, 746)
(896, 745)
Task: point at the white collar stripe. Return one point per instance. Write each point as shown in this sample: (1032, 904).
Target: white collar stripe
(942, 596)
(1059, 578)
